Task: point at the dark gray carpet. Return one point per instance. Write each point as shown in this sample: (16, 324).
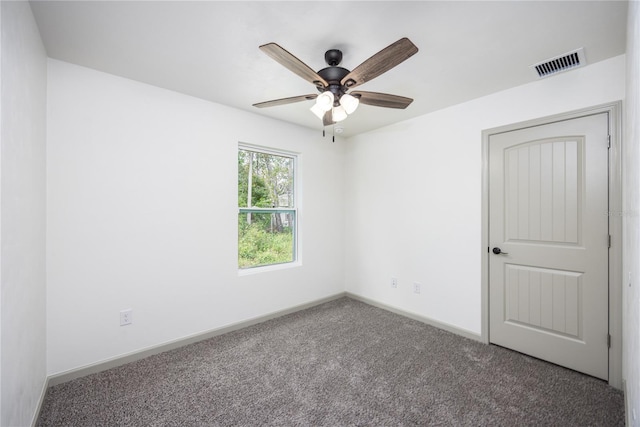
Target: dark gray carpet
(343, 363)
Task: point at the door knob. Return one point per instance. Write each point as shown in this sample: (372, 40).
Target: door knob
(498, 251)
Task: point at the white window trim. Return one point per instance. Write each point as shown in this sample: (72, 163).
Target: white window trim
(297, 262)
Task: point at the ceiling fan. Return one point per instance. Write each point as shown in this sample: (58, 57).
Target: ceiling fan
(334, 101)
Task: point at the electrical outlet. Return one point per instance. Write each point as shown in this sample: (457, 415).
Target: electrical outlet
(126, 317)
(416, 287)
(394, 282)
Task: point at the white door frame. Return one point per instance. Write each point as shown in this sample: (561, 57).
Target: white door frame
(615, 225)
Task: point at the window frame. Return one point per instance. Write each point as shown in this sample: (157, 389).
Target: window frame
(294, 210)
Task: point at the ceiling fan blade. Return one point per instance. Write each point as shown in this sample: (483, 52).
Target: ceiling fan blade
(289, 61)
(382, 99)
(327, 119)
(284, 101)
(381, 62)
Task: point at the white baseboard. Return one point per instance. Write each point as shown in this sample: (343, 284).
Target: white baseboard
(171, 345)
(628, 409)
(440, 325)
(103, 365)
(43, 393)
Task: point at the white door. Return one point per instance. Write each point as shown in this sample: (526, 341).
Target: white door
(548, 231)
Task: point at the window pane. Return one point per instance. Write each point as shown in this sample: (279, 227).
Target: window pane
(266, 238)
(265, 180)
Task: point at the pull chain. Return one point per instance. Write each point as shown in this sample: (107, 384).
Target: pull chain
(333, 137)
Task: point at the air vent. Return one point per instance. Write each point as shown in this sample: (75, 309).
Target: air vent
(561, 63)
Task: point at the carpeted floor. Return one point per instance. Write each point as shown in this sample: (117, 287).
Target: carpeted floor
(343, 363)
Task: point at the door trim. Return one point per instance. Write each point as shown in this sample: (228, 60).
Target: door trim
(615, 225)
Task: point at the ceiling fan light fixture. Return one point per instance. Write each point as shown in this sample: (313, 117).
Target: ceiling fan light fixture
(325, 101)
(349, 103)
(338, 113)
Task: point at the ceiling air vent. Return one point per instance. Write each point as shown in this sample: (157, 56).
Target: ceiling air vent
(561, 63)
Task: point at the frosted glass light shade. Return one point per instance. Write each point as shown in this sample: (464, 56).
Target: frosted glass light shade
(349, 103)
(319, 112)
(338, 113)
(325, 101)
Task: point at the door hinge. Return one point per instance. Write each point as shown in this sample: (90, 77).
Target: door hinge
(609, 242)
(608, 340)
(608, 141)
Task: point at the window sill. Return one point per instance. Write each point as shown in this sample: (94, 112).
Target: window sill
(267, 268)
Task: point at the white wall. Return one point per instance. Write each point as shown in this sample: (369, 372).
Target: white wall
(22, 228)
(142, 214)
(413, 194)
(631, 219)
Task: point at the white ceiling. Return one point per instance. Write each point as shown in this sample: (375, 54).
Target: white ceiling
(209, 49)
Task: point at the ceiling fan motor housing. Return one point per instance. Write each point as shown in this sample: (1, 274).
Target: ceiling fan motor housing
(333, 75)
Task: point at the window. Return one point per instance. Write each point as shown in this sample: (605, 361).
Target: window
(266, 207)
